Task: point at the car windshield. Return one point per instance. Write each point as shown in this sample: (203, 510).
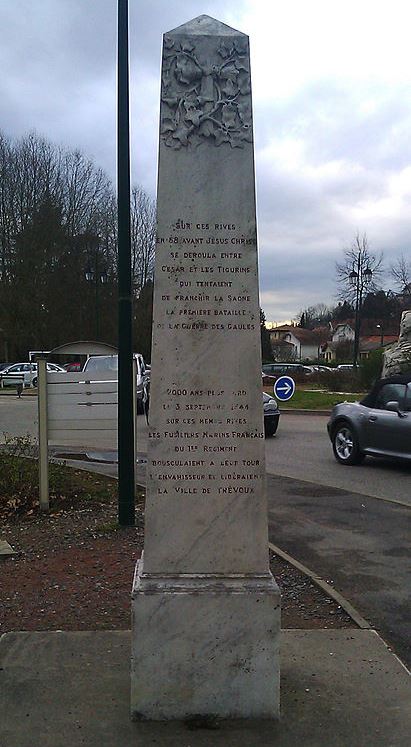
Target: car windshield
(102, 363)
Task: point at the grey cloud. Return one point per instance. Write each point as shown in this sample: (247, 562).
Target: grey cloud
(58, 61)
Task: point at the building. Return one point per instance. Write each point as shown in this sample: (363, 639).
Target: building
(290, 343)
(374, 342)
(341, 344)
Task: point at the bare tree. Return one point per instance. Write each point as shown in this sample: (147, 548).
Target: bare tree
(85, 188)
(315, 316)
(401, 272)
(143, 236)
(50, 199)
(358, 274)
(359, 259)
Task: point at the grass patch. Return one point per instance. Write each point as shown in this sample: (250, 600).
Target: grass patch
(19, 482)
(19, 486)
(303, 400)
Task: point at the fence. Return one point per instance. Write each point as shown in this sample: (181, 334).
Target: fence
(12, 379)
(75, 410)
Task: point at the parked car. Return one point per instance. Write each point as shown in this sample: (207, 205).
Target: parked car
(323, 369)
(378, 426)
(29, 371)
(286, 369)
(73, 367)
(272, 371)
(345, 367)
(271, 415)
(96, 364)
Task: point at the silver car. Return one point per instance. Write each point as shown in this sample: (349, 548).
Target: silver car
(109, 363)
(379, 425)
(271, 415)
(28, 371)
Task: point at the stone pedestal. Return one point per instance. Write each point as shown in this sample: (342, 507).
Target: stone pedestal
(206, 645)
(205, 606)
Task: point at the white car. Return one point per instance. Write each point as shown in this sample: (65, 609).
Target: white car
(98, 363)
(29, 371)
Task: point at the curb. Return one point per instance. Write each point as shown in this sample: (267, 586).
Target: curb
(297, 411)
(324, 586)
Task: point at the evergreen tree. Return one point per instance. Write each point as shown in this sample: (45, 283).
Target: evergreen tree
(143, 321)
(266, 352)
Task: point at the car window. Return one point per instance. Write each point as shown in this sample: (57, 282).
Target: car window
(408, 399)
(102, 363)
(390, 393)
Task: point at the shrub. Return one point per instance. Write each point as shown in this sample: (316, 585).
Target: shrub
(370, 368)
(341, 381)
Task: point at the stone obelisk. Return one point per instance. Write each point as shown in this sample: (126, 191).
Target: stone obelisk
(206, 610)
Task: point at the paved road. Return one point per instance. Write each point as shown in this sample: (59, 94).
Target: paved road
(18, 417)
(300, 450)
(329, 517)
(359, 544)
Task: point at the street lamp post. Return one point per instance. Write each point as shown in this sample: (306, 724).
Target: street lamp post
(380, 326)
(359, 279)
(94, 273)
(126, 455)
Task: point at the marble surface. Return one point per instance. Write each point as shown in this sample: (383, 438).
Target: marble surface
(205, 485)
(205, 608)
(210, 647)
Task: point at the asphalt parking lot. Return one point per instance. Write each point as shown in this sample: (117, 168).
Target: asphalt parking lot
(301, 449)
(350, 525)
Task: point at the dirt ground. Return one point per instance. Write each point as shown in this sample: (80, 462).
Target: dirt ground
(74, 567)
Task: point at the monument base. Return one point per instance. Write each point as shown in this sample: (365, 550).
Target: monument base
(204, 645)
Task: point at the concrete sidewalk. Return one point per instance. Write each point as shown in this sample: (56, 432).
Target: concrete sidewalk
(339, 688)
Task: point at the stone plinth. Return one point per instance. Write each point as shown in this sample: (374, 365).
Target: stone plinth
(208, 646)
(205, 606)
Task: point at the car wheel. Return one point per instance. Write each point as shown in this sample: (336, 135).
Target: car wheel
(34, 382)
(345, 445)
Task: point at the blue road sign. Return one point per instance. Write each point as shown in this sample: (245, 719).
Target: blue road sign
(284, 388)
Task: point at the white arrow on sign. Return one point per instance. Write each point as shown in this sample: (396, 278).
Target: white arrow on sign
(286, 388)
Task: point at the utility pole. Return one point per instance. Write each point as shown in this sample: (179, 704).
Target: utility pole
(126, 415)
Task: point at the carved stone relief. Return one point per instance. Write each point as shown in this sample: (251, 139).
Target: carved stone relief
(397, 358)
(205, 100)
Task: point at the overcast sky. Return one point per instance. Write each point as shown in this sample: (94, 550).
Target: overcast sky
(332, 115)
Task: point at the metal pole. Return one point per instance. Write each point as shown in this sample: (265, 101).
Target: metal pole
(97, 281)
(357, 314)
(43, 434)
(126, 483)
